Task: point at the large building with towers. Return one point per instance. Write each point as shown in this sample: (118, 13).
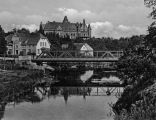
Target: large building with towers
(66, 28)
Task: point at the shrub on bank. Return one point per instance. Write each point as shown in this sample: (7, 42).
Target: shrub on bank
(144, 109)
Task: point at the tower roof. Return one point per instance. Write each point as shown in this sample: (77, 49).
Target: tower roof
(65, 20)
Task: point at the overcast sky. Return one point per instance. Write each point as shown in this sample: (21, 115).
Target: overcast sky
(113, 18)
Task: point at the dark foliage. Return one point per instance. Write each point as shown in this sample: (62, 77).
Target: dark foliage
(137, 70)
(3, 42)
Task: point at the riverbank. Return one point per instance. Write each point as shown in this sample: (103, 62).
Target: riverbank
(10, 76)
(142, 109)
(17, 81)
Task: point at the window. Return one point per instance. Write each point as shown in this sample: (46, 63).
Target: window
(10, 51)
(40, 43)
(16, 46)
(16, 52)
(45, 44)
(38, 50)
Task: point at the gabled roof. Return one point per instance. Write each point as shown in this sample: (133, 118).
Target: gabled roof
(26, 39)
(52, 25)
(33, 39)
(22, 37)
(78, 46)
(67, 26)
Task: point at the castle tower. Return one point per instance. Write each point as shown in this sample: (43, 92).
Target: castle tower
(89, 31)
(65, 20)
(84, 24)
(41, 28)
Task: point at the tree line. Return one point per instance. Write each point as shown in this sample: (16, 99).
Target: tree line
(105, 43)
(137, 70)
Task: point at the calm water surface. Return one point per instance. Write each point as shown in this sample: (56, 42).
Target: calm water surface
(65, 102)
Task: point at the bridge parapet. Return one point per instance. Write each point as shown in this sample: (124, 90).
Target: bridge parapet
(76, 56)
(79, 54)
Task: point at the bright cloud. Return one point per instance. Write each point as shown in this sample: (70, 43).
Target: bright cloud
(107, 25)
(75, 13)
(114, 18)
(124, 28)
(107, 29)
(30, 27)
(131, 30)
(68, 12)
(101, 29)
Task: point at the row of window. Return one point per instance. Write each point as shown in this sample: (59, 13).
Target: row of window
(43, 44)
(24, 51)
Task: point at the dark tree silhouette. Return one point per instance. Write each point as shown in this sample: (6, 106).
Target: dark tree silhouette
(41, 29)
(3, 43)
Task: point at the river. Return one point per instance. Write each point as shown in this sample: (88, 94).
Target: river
(65, 100)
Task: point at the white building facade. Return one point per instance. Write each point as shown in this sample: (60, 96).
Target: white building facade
(84, 49)
(22, 44)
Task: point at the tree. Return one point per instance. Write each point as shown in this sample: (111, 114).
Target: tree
(151, 4)
(151, 37)
(23, 30)
(41, 29)
(137, 71)
(137, 68)
(3, 43)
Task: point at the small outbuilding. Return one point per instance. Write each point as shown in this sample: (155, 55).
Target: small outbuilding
(84, 49)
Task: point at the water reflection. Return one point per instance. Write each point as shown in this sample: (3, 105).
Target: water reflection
(88, 74)
(47, 101)
(79, 78)
(50, 99)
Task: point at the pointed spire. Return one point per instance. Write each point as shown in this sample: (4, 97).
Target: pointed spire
(84, 22)
(89, 27)
(65, 20)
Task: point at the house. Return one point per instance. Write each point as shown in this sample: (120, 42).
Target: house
(26, 44)
(84, 49)
(39, 41)
(66, 28)
(15, 43)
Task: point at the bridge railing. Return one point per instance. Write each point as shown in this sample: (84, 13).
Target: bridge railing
(80, 54)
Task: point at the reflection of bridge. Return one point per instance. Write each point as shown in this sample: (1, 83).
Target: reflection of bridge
(81, 91)
(78, 56)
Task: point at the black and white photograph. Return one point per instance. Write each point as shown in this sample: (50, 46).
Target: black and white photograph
(77, 59)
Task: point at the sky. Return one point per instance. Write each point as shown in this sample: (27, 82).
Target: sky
(108, 18)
